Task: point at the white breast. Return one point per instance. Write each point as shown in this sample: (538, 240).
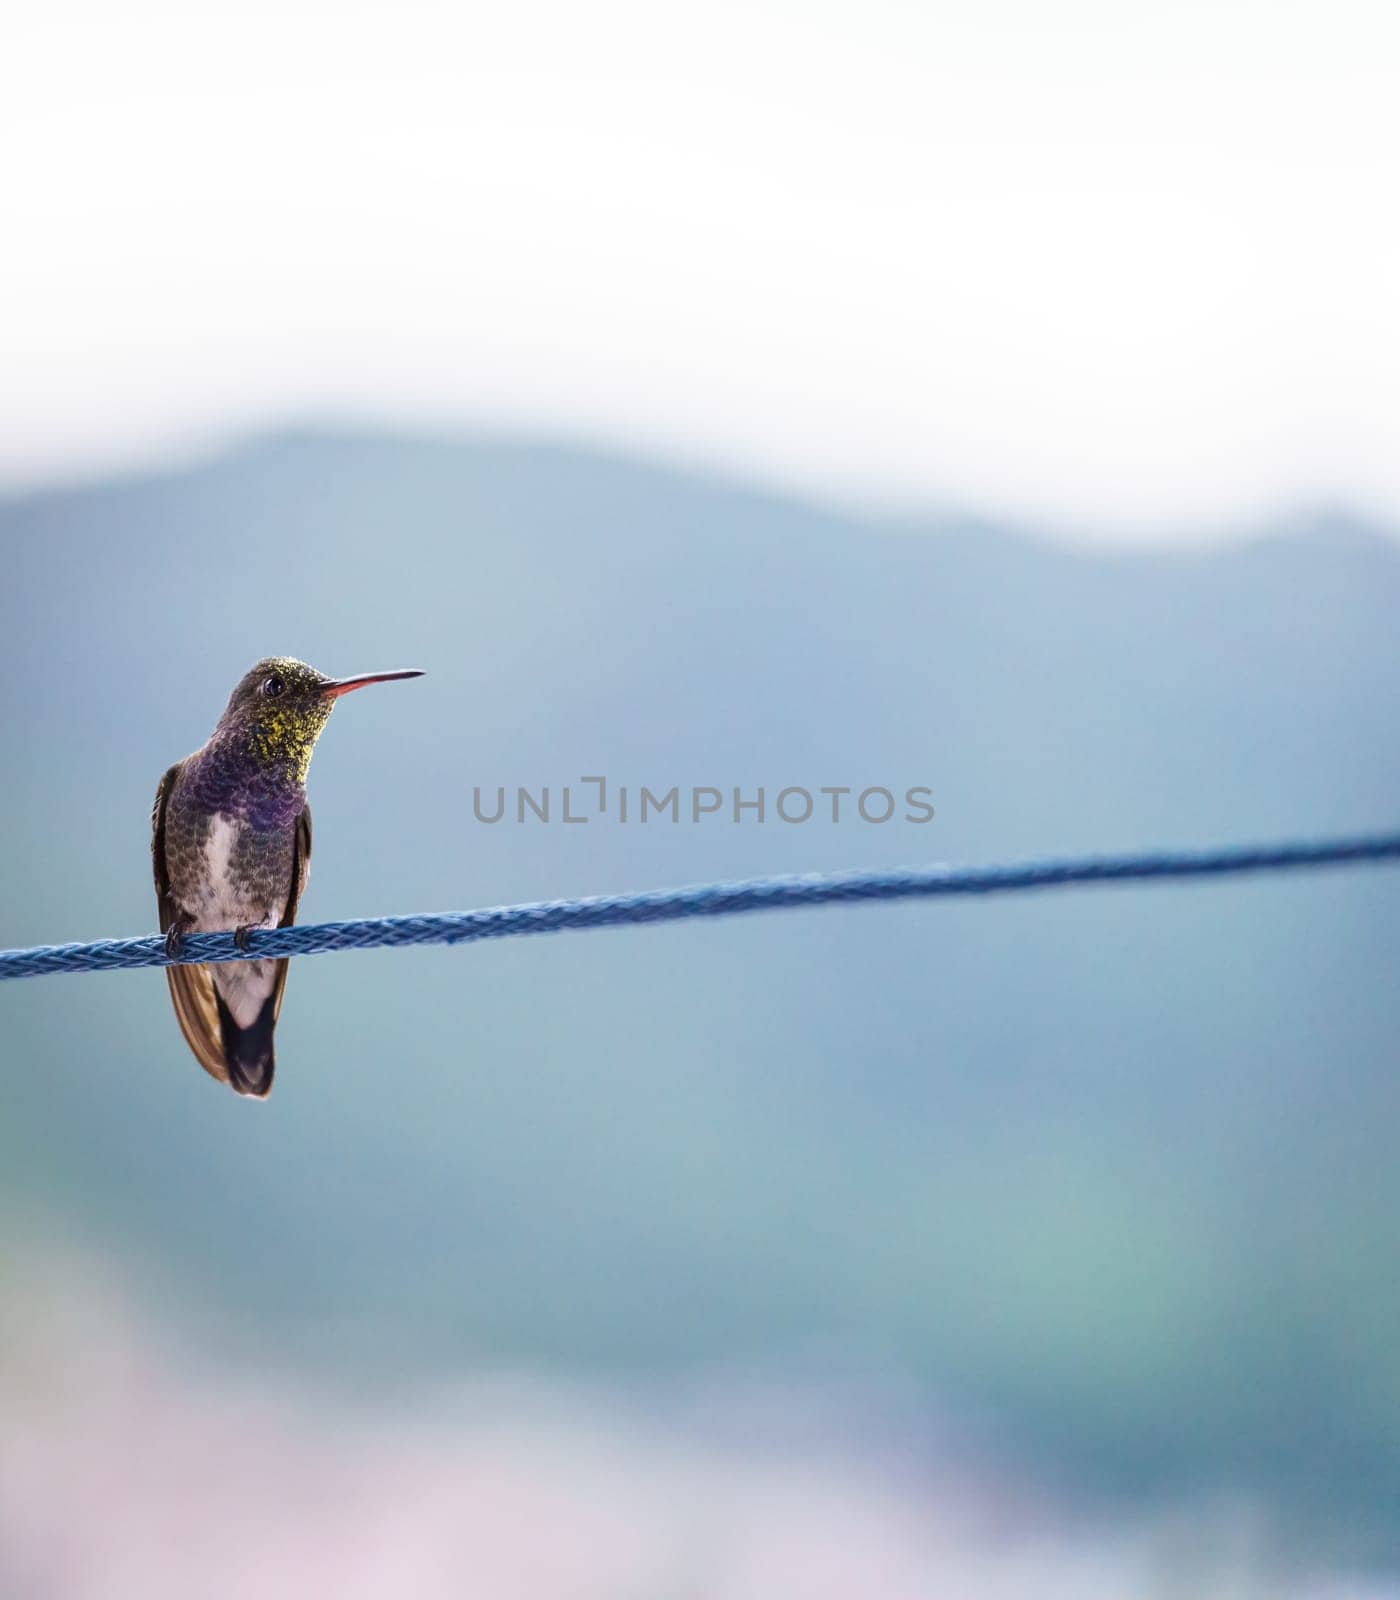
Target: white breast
(219, 904)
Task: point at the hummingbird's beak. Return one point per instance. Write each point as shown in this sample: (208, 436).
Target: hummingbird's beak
(335, 687)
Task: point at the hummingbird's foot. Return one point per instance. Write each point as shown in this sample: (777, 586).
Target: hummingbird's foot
(240, 935)
(175, 937)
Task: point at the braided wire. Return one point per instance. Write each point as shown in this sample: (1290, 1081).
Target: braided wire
(703, 900)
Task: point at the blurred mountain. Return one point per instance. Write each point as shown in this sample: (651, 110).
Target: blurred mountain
(1114, 1170)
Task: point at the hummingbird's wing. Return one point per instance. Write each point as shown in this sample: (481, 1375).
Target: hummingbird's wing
(191, 987)
(301, 871)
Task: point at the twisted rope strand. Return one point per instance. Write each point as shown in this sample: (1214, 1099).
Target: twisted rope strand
(703, 900)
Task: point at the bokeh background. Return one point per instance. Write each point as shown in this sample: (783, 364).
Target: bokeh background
(999, 400)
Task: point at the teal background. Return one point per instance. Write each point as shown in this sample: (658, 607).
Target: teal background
(1111, 1174)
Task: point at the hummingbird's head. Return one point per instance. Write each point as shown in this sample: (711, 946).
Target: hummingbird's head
(281, 705)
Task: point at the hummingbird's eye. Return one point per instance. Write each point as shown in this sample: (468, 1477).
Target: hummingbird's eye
(271, 686)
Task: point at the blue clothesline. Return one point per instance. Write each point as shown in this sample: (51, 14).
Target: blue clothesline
(704, 900)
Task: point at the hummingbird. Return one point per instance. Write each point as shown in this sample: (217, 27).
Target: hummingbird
(231, 846)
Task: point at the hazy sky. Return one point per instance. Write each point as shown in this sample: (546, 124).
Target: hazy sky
(1128, 266)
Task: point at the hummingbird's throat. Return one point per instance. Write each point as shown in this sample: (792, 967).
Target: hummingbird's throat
(285, 736)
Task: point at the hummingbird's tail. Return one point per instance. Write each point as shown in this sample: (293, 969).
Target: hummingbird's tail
(248, 1051)
(236, 1054)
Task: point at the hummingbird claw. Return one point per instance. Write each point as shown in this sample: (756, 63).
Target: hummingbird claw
(175, 938)
(240, 936)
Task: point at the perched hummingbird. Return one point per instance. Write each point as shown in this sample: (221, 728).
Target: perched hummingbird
(231, 843)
